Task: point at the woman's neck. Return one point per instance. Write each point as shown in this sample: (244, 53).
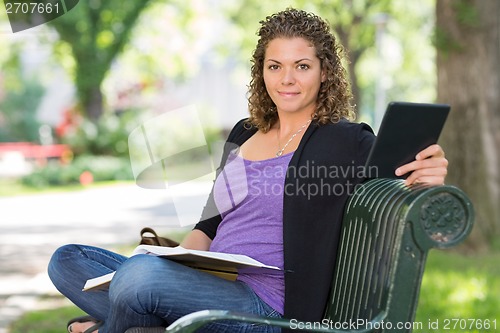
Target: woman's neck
(289, 123)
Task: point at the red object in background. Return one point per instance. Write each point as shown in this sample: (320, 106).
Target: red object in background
(86, 178)
(32, 151)
(69, 122)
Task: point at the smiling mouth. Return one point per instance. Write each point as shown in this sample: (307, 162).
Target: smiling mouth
(286, 93)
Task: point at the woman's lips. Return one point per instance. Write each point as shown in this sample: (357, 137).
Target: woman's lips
(288, 93)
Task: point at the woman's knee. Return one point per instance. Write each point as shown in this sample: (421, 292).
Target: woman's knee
(131, 281)
(62, 255)
(134, 273)
(141, 278)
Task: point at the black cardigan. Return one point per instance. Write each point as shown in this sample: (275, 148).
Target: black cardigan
(323, 172)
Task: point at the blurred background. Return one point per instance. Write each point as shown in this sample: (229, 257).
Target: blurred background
(74, 88)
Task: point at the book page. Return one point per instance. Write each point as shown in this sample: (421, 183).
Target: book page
(224, 265)
(98, 283)
(221, 259)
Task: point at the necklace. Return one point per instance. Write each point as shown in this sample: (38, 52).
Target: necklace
(281, 150)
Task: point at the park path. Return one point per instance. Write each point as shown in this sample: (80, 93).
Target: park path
(33, 226)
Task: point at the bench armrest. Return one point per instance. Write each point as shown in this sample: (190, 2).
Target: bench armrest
(192, 322)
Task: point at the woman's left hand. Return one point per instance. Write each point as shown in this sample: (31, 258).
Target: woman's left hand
(430, 166)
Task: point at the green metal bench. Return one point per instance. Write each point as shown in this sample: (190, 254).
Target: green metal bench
(387, 231)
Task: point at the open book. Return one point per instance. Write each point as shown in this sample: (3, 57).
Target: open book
(224, 265)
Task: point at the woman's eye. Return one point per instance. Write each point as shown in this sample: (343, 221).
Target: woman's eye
(303, 66)
(273, 67)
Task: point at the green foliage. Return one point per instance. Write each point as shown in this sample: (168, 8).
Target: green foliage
(409, 55)
(19, 111)
(466, 13)
(102, 168)
(96, 32)
(106, 136)
(444, 42)
(19, 104)
(167, 43)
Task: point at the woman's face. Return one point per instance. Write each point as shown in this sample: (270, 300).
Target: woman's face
(293, 75)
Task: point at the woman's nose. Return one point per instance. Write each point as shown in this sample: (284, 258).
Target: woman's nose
(288, 77)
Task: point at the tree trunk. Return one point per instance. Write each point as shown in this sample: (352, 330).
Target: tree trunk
(88, 83)
(468, 67)
(353, 56)
(94, 104)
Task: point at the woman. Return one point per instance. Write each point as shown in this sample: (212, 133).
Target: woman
(272, 198)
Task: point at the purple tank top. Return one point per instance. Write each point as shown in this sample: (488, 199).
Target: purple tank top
(249, 195)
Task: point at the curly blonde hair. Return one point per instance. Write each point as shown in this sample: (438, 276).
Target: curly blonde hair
(333, 102)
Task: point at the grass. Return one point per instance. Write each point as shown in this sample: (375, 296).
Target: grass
(460, 294)
(455, 290)
(46, 321)
(11, 187)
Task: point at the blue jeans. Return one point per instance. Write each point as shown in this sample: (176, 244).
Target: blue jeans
(150, 291)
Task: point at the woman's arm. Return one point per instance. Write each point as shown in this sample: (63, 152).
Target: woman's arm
(430, 166)
(196, 240)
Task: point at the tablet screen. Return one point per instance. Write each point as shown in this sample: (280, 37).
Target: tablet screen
(405, 130)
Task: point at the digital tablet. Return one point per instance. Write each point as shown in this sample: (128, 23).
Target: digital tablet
(405, 130)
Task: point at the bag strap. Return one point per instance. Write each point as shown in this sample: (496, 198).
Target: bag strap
(155, 239)
(145, 230)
